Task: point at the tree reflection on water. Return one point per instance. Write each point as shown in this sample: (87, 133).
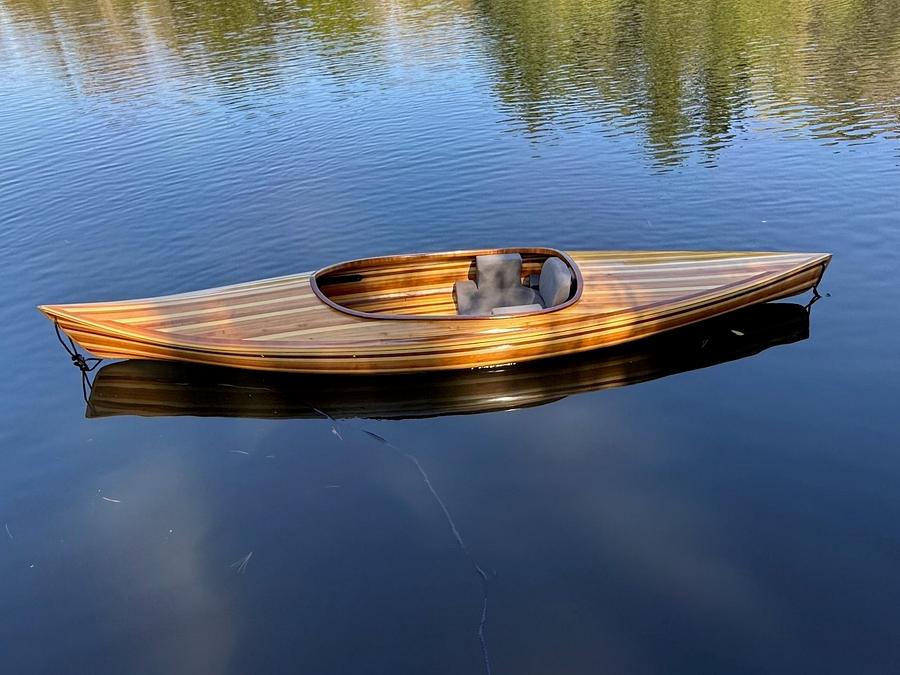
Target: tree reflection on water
(686, 75)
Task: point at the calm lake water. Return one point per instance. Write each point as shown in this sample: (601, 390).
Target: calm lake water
(740, 518)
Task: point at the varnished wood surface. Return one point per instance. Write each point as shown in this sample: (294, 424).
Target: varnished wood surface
(158, 388)
(284, 324)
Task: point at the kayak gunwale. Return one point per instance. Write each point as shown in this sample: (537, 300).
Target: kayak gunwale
(362, 263)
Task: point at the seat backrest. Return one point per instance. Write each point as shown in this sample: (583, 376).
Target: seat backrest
(555, 284)
(498, 271)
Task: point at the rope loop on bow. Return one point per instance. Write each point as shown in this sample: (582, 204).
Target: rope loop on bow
(84, 363)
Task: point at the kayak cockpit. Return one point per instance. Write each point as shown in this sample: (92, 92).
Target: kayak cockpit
(465, 284)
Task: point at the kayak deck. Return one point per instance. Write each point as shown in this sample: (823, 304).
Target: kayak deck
(289, 324)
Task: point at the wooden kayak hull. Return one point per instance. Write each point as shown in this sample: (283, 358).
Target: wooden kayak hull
(164, 389)
(288, 323)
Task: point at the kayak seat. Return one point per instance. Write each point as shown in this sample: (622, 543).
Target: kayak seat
(555, 285)
(498, 284)
(473, 300)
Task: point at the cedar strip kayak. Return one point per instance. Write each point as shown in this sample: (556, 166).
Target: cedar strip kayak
(401, 314)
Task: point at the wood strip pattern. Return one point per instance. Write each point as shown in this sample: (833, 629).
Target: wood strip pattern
(396, 314)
